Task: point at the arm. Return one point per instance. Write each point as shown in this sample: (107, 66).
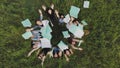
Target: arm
(32, 51)
(44, 7)
(57, 14)
(43, 59)
(71, 51)
(76, 40)
(52, 6)
(76, 48)
(41, 15)
(33, 28)
(67, 59)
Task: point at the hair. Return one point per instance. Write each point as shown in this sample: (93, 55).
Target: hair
(66, 51)
(50, 9)
(60, 14)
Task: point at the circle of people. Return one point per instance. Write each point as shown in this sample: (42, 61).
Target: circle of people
(47, 36)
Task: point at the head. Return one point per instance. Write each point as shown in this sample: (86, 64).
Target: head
(50, 11)
(38, 22)
(67, 52)
(61, 15)
(75, 21)
(41, 55)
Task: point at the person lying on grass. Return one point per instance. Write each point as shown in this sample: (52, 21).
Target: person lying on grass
(67, 52)
(35, 46)
(57, 53)
(72, 41)
(75, 28)
(46, 47)
(39, 23)
(60, 16)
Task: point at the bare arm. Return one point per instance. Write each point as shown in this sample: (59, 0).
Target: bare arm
(43, 59)
(57, 14)
(76, 40)
(44, 7)
(52, 6)
(41, 15)
(66, 57)
(76, 48)
(32, 51)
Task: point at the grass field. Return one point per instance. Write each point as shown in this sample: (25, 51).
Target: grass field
(101, 46)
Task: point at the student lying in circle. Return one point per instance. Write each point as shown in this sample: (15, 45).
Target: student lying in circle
(46, 47)
(60, 16)
(72, 41)
(67, 53)
(65, 49)
(35, 46)
(75, 28)
(39, 23)
(57, 53)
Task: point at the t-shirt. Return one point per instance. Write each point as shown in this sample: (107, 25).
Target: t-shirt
(45, 43)
(62, 46)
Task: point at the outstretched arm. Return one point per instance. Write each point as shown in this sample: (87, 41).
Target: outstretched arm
(43, 59)
(44, 7)
(32, 51)
(41, 15)
(52, 6)
(66, 57)
(57, 13)
(76, 48)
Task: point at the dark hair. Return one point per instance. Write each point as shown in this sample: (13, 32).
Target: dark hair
(50, 9)
(66, 51)
(60, 14)
(75, 20)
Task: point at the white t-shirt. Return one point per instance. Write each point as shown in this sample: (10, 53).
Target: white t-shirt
(62, 46)
(45, 43)
(39, 45)
(45, 23)
(79, 33)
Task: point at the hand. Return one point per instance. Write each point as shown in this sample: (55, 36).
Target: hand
(44, 7)
(28, 54)
(39, 11)
(67, 59)
(52, 6)
(80, 49)
(28, 30)
(56, 11)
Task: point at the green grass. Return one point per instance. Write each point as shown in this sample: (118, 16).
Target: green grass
(101, 47)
